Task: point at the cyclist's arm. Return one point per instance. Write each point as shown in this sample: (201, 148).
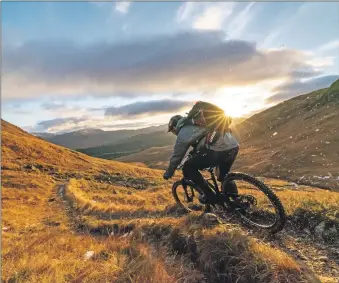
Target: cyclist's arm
(180, 148)
(186, 137)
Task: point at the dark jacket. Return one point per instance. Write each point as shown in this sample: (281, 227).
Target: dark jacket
(188, 135)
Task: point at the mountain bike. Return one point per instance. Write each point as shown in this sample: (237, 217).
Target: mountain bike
(255, 203)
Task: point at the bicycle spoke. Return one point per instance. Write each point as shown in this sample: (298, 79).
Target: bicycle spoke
(255, 203)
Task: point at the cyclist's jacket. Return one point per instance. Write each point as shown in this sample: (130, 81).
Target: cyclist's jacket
(188, 135)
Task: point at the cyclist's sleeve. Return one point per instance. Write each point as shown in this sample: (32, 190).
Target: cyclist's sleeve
(180, 148)
(186, 137)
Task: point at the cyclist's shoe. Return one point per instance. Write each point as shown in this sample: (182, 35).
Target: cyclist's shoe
(203, 199)
(208, 199)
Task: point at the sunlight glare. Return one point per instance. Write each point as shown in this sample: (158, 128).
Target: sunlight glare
(242, 101)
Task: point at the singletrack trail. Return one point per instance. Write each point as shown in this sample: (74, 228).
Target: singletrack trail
(174, 237)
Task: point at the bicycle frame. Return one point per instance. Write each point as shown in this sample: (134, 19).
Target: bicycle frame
(215, 186)
(186, 182)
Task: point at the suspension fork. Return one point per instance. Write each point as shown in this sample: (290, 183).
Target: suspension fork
(185, 183)
(215, 186)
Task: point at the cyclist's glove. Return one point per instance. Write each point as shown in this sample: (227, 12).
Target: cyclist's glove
(167, 175)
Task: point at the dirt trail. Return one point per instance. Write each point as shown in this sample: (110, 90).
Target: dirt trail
(321, 258)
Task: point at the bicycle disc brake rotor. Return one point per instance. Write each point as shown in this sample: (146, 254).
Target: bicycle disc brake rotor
(244, 202)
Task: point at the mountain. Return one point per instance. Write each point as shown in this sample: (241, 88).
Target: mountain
(296, 140)
(68, 217)
(153, 157)
(131, 145)
(95, 137)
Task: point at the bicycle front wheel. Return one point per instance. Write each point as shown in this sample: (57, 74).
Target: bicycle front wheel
(255, 203)
(186, 196)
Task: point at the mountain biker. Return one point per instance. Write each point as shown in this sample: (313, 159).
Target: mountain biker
(221, 153)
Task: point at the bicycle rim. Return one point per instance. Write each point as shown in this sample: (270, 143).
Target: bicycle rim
(256, 204)
(186, 196)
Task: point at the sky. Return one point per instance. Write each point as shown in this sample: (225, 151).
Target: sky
(115, 65)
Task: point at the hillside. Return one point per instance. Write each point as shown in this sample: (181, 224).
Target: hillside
(95, 137)
(56, 202)
(131, 145)
(295, 140)
(153, 157)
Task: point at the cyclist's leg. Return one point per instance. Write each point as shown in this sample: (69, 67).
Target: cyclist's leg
(196, 163)
(226, 161)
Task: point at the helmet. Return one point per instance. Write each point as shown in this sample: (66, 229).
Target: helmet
(173, 122)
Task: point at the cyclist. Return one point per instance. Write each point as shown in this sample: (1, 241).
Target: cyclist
(221, 153)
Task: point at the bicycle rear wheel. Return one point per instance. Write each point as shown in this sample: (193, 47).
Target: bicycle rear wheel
(186, 196)
(255, 203)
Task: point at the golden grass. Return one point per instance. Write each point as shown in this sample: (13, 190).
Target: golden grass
(41, 243)
(90, 197)
(222, 254)
(305, 198)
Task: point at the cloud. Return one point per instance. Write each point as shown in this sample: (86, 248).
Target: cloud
(186, 10)
(70, 124)
(241, 20)
(98, 3)
(306, 73)
(148, 107)
(332, 45)
(53, 106)
(184, 62)
(122, 7)
(134, 115)
(296, 87)
(205, 16)
(43, 125)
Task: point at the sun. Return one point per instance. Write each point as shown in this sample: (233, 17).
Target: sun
(243, 101)
(233, 101)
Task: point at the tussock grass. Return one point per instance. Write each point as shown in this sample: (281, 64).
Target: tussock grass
(122, 203)
(307, 206)
(220, 254)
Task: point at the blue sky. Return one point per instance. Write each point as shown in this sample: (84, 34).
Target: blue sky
(71, 63)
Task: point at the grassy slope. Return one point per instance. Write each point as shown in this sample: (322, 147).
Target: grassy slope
(154, 157)
(49, 193)
(296, 139)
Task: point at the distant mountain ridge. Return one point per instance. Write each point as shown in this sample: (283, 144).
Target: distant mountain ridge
(95, 137)
(131, 145)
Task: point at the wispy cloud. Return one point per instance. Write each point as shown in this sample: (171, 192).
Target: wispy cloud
(186, 10)
(70, 124)
(122, 7)
(236, 27)
(205, 16)
(53, 106)
(332, 45)
(297, 87)
(282, 25)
